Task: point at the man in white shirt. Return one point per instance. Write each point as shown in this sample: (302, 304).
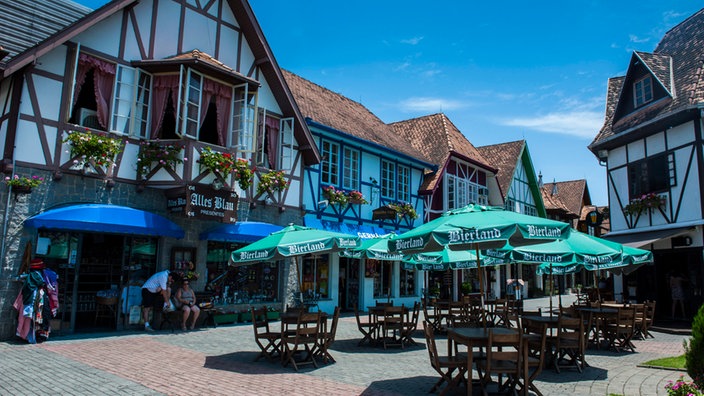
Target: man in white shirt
(157, 284)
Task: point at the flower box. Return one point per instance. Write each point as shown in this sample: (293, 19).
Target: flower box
(273, 315)
(245, 317)
(226, 318)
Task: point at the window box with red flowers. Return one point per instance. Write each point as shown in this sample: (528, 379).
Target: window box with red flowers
(356, 197)
(334, 196)
(404, 209)
(271, 182)
(224, 164)
(96, 149)
(154, 152)
(644, 202)
(22, 184)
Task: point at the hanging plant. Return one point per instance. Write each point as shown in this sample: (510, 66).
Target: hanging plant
(243, 173)
(404, 209)
(150, 152)
(643, 203)
(23, 182)
(95, 148)
(272, 182)
(334, 196)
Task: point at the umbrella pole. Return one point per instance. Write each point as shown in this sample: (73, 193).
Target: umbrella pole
(552, 286)
(481, 284)
(596, 283)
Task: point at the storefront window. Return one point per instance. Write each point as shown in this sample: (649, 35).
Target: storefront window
(257, 282)
(408, 282)
(382, 277)
(315, 276)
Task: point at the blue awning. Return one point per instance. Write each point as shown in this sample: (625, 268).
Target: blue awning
(242, 231)
(363, 231)
(112, 219)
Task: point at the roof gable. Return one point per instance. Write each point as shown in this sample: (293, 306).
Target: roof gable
(505, 157)
(568, 195)
(344, 115)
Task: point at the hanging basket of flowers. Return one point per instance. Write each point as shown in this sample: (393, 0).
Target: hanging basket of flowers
(96, 149)
(404, 209)
(22, 184)
(356, 197)
(161, 154)
(271, 182)
(334, 196)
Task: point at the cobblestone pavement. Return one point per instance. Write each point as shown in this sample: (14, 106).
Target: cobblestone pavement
(219, 361)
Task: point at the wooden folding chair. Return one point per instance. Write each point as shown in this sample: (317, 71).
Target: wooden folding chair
(306, 336)
(368, 328)
(410, 324)
(504, 356)
(569, 344)
(535, 339)
(443, 365)
(328, 338)
(649, 316)
(620, 332)
(266, 339)
(392, 326)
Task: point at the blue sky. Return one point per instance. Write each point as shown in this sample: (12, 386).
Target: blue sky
(501, 71)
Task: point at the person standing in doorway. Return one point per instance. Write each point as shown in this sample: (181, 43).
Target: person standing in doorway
(677, 289)
(157, 284)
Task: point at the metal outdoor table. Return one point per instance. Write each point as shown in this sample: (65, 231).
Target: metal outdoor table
(477, 337)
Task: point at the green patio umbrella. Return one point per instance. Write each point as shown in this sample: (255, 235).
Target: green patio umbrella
(373, 248)
(476, 227)
(452, 259)
(293, 241)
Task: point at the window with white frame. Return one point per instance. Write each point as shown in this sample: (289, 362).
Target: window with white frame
(388, 179)
(350, 169)
(643, 91)
(654, 174)
(329, 167)
(462, 192)
(190, 116)
(520, 196)
(244, 111)
(130, 114)
(404, 184)
(286, 144)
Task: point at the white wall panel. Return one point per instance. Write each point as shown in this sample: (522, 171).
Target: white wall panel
(104, 37)
(680, 135)
(617, 157)
(228, 46)
(655, 143)
(54, 61)
(29, 147)
(636, 150)
(199, 33)
(48, 96)
(266, 98)
(167, 30)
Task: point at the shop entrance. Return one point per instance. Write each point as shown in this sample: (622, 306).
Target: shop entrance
(348, 284)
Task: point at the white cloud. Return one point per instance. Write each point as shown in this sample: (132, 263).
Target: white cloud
(635, 39)
(582, 124)
(421, 104)
(412, 41)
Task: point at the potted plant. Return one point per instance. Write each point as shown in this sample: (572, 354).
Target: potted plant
(151, 152)
(334, 196)
(272, 313)
(224, 164)
(96, 149)
(356, 197)
(22, 184)
(404, 209)
(271, 182)
(466, 287)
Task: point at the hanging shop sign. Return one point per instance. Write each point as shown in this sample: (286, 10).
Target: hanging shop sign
(203, 202)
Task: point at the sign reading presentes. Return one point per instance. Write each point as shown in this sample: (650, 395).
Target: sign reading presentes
(203, 203)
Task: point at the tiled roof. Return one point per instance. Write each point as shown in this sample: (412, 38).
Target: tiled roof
(677, 63)
(438, 138)
(552, 202)
(26, 23)
(571, 194)
(505, 157)
(345, 115)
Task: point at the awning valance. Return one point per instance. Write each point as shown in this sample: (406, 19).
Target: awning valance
(362, 231)
(640, 239)
(242, 231)
(112, 219)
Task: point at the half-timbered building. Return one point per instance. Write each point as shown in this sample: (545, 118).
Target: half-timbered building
(652, 146)
(175, 110)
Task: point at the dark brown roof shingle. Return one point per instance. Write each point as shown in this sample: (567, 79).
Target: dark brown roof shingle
(505, 157)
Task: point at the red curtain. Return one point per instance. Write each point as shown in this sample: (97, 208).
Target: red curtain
(164, 87)
(272, 140)
(103, 81)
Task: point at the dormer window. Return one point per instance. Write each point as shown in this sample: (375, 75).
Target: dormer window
(642, 91)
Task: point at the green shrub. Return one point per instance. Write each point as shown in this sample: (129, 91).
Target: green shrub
(694, 350)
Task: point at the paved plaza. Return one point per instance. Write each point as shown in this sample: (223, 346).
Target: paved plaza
(219, 361)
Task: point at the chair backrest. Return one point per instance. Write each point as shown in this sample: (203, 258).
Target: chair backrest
(430, 342)
(627, 317)
(308, 327)
(506, 348)
(330, 336)
(649, 311)
(259, 320)
(570, 331)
